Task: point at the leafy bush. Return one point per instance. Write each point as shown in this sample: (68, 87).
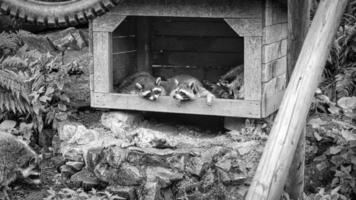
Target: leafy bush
(31, 84)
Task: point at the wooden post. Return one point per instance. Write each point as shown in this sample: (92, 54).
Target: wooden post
(295, 180)
(276, 160)
(143, 44)
(298, 25)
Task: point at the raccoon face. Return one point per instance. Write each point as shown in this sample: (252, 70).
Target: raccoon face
(185, 91)
(31, 171)
(150, 91)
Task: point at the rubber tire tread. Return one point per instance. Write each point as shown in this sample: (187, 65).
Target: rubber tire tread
(56, 14)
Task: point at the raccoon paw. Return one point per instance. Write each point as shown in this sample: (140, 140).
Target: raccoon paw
(209, 99)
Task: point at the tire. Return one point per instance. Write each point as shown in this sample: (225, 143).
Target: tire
(56, 14)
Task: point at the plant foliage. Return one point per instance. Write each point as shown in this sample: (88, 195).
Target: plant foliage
(31, 83)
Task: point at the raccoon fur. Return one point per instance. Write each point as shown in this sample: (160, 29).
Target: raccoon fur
(17, 160)
(233, 82)
(187, 88)
(143, 84)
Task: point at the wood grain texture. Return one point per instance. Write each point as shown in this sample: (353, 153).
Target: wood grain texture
(246, 27)
(275, 33)
(199, 59)
(220, 107)
(143, 44)
(188, 8)
(272, 95)
(191, 43)
(191, 27)
(274, 68)
(298, 24)
(103, 70)
(274, 51)
(276, 160)
(108, 22)
(252, 68)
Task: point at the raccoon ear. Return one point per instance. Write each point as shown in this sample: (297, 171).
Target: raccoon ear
(176, 81)
(158, 81)
(191, 85)
(139, 86)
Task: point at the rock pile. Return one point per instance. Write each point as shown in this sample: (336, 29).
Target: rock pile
(136, 161)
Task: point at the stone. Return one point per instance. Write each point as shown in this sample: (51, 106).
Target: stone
(129, 175)
(66, 130)
(126, 175)
(163, 176)
(66, 171)
(208, 181)
(114, 156)
(148, 138)
(230, 178)
(84, 136)
(93, 157)
(85, 179)
(123, 191)
(119, 120)
(72, 153)
(7, 125)
(106, 174)
(77, 166)
(151, 191)
(196, 165)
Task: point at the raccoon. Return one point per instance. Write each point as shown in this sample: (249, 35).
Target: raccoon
(233, 82)
(17, 160)
(143, 84)
(186, 88)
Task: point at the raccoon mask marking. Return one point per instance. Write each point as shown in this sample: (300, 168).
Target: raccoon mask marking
(188, 88)
(142, 84)
(150, 92)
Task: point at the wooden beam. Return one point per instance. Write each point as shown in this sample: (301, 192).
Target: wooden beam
(108, 22)
(143, 44)
(298, 25)
(253, 68)
(220, 107)
(295, 180)
(246, 27)
(276, 160)
(103, 66)
(198, 8)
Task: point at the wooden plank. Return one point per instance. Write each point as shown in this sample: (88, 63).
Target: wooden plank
(188, 8)
(274, 51)
(170, 27)
(123, 44)
(275, 33)
(220, 107)
(108, 22)
(252, 68)
(143, 44)
(276, 160)
(275, 13)
(274, 69)
(201, 44)
(246, 27)
(103, 70)
(273, 91)
(199, 59)
(126, 28)
(201, 73)
(123, 64)
(298, 25)
(295, 181)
